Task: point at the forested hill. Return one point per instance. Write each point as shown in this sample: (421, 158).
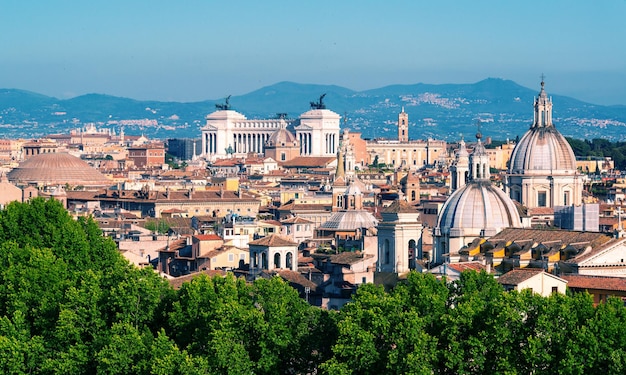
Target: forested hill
(444, 111)
(71, 304)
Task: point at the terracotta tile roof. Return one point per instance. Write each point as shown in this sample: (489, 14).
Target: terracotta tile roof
(208, 237)
(309, 162)
(595, 282)
(296, 278)
(400, 206)
(349, 258)
(206, 218)
(273, 240)
(518, 275)
(464, 266)
(296, 220)
(541, 211)
(305, 207)
(226, 162)
(177, 282)
(173, 211)
(271, 222)
(546, 235)
(82, 195)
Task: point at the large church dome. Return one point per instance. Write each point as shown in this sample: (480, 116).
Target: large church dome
(542, 148)
(57, 169)
(477, 209)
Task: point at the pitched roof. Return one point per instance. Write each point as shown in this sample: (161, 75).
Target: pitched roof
(595, 282)
(463, 266)
(273, 240)
(548, 235)
(208, 237)
(349, 258)
(309, 162)
(178, 282)
(519, 275)
(296, 278)
(541, 211)
(610, 244)
(400, 206)
(271, 222)
(296, 220)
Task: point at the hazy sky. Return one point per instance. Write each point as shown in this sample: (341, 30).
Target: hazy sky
(195, 50)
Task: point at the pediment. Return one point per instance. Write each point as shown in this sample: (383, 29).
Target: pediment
(613, 254)
(209, 128)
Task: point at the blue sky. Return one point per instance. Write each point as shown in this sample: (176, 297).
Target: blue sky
(196, 50)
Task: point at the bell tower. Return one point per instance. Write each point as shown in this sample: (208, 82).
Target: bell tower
(403, 126)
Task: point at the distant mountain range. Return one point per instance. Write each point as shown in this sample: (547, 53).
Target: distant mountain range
(446, 111)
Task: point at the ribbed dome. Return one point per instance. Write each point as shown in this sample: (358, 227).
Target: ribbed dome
(282, 137)
(542, 149)
(477, 207)
(57, 169)
(350, 220)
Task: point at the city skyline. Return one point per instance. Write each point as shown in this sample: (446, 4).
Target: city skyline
(199, 50)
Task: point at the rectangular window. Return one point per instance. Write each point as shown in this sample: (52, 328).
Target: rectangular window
(541, 199)
(231, 257)
(555, 289)
(566, 198)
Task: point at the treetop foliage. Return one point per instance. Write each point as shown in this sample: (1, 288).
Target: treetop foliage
(70, 304)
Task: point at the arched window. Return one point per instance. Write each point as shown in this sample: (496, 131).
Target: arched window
(289, 260)
(277, 260)
(412, 195)
(264, 261)
(413, 255)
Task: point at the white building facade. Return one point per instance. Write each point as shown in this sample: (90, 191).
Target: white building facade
(228, 133)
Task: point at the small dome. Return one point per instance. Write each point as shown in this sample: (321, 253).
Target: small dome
(542, 149)
(350, 220)
(477, 208)
(57, 169)
(282, 137)
(353, 189)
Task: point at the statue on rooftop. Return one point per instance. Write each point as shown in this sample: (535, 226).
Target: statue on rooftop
(319, 104)
(225, 106)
